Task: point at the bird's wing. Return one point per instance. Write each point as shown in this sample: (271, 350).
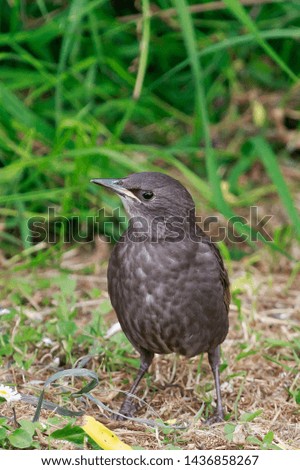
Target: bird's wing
(223, 272)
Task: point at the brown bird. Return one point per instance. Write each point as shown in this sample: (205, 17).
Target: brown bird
(166, 279)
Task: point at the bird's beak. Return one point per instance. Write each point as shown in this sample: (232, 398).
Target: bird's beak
(115, 185)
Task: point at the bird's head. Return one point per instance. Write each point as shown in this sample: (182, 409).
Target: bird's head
(150, 195)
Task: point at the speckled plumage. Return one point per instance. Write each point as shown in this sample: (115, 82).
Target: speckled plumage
(170, 293)
(168, 296)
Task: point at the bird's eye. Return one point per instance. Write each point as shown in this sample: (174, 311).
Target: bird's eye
(148, 195)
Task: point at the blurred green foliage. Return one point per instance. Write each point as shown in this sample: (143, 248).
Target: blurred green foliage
(68, 75)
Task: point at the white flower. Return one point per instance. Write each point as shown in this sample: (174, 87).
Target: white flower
(9, 393)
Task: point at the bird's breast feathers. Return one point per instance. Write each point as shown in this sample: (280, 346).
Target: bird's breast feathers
(156, 288)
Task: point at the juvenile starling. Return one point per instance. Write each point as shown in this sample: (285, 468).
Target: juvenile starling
(166, 279)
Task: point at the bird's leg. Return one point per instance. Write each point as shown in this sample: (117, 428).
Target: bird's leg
(214, 361)
(128, 408)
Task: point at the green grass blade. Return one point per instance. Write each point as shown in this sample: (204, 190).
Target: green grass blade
(22, 222)
(201, 105)
(239, 11)
(268, 158)
(37, 195)
(71, 25)
(144, 49)
(224, 45)
(10, 103)
(67, 373)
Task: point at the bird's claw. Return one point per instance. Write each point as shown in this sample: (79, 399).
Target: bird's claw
(217, 417)
(127, 410)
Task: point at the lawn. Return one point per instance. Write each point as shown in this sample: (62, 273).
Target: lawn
(207, 92)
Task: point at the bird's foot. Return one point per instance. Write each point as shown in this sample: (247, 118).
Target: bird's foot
(127, 410)
(217, 417)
